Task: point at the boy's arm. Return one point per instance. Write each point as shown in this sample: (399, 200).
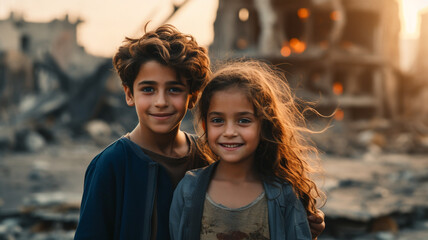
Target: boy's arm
(97, 210)
(316, 223)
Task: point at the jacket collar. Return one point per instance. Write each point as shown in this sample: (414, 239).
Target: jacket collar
(198, 199)
(272, 190)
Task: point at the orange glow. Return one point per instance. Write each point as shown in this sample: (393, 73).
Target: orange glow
(339, 115)
(335, 16)
(285, 51)
(337, 88)
(243, 14)
(297, 45)
(303, 13)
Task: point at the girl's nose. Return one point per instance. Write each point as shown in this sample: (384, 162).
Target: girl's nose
(230, 131)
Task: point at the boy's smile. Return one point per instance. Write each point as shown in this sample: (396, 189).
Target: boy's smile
(233, 130)
(160, 98)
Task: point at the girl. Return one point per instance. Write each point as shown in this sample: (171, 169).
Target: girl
(258, 186)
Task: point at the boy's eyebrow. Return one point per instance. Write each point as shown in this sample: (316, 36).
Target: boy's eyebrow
(215, 113)
(149, 82)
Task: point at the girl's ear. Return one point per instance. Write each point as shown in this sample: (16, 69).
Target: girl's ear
(129, 96)
(204, 126)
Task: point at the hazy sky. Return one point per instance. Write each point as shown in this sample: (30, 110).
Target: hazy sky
(107, 22)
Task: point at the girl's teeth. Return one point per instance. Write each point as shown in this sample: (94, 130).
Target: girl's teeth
(231, 145)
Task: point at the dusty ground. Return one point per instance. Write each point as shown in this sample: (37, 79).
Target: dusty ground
(358, 189)
(53, 170)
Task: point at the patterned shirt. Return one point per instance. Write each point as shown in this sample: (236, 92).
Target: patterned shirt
(249, 222)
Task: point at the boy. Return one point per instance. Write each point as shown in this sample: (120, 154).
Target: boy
(128, 187)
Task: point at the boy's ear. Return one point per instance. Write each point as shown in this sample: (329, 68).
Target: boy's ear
(129, 96)
(192, 100)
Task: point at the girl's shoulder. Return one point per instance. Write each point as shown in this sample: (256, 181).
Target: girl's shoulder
(193, 175)
(281, 190)
(195, 180)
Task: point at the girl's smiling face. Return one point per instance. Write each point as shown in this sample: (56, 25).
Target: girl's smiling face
(233, 130)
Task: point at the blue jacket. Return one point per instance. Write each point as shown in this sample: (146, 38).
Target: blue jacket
(287, 216)
(119, 194)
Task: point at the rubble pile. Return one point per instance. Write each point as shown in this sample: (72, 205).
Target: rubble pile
(383, 195)
(39, 118)
(368, 138)
(44, 217)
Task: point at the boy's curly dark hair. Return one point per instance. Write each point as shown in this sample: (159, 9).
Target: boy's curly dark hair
(169, 47)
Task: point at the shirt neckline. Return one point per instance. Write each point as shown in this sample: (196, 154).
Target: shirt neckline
(221, 206)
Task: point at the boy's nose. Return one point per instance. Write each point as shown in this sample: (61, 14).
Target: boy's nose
(161, 100)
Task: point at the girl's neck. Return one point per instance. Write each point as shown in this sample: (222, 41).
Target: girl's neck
(235, 172)
(234, 185)
(172, 144)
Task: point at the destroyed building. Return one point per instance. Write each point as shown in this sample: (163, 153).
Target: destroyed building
(421, 62)
(47, 79)
(343, 55)
(57, 38)
(417, 87)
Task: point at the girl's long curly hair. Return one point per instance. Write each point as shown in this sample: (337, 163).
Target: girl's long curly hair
(283, 153)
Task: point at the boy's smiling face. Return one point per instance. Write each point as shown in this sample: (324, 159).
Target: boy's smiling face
(161, 99)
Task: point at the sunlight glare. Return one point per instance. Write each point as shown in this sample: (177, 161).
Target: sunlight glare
(410, 10)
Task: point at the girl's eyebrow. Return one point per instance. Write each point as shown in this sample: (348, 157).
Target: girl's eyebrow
(245, 113)
(238, 113)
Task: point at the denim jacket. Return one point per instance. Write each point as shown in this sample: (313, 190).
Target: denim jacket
(287, 216)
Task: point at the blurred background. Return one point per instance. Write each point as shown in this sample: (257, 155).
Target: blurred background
(364, 62)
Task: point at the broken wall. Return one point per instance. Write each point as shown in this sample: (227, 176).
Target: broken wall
(346, 51)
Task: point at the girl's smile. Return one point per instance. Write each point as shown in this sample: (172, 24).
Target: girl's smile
(231, 146)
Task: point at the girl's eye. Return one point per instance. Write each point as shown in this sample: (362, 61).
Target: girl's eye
(175, 90)
(244, 120)
(147, 89)
(216, 120)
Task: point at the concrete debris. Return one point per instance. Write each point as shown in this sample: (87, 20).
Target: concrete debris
(99, 131)
(383, 196)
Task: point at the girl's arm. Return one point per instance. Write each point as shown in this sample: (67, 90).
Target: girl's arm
(175, 213)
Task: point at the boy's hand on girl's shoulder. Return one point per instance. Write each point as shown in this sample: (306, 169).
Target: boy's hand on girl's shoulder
(316, 223)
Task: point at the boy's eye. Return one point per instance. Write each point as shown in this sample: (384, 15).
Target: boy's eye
(147, 89)
(244, 120)
(216, 120)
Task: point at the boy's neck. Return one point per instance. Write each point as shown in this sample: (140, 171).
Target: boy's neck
(172, 144)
